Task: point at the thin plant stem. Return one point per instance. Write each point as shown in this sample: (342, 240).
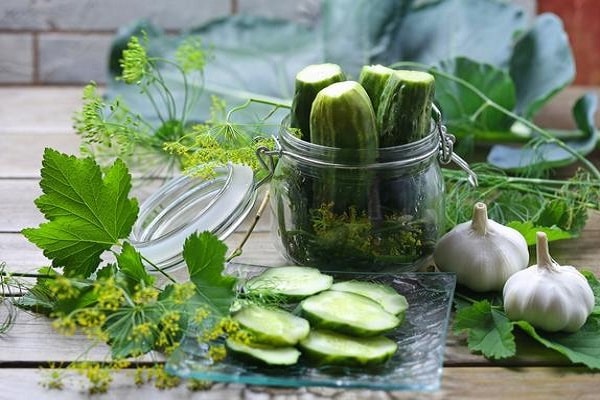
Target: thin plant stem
(488, 102)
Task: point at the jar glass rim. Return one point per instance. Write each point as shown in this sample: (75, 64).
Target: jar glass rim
(402, 155)
(188, 204)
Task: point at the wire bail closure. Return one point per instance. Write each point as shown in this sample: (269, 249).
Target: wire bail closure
(447, 153)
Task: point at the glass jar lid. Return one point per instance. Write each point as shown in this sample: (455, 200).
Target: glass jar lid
(188, 204)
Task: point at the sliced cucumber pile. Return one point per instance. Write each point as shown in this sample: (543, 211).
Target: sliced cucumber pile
(290, 282)
(349, 313)
(340, 323)
(331, 348)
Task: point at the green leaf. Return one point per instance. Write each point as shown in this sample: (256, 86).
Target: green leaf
(529, 231)
(542, 64)
(595, 285)
(489, 330)
(582, 346)
(87, 213)
(131, 265)
(478, 29)
(548, 154)
(204, 255)
(464, 111)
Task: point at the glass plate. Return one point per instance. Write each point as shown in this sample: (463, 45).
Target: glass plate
(416, 366)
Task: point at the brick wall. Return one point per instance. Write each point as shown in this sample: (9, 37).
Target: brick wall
(67, 41)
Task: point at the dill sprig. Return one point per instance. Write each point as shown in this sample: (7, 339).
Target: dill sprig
(563, 203)
(109, 129)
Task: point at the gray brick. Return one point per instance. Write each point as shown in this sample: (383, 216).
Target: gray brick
(73, 58)
(288, 9)
(16, 58)
(107, 14)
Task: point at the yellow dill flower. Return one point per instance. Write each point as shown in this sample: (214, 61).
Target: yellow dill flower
(195, 385)
(191, 55)
(65, 325)
(110, 296)
(182, 292)
(135, 62)
(145, 295)
(53, 377)
(170, 323)
(217, 352)
(200, 315)
(140, 376)
(142, 332)
(90, 317)
(62, 288)
(162, 379)
(98, 376)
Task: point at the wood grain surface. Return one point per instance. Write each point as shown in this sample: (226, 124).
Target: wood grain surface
(34, 118)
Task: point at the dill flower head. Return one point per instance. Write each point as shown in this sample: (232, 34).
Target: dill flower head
(191, 55)
(135, 62)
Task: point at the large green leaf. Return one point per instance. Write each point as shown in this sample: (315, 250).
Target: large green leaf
(541, 64)
(87, 212)
(482, 30)
(465, 111)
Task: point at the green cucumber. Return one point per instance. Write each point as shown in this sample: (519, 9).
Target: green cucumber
(331, 348)
(374, 78)
(272, 326)
(288, 282)
(309, 81)
(264, 354)
(348, 313)
(391, 301)
(342, 116)
(404, 112)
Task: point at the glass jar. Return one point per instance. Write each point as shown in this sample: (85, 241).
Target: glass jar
(336, 215)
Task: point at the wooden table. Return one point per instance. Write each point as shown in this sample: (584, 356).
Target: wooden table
(34, 118)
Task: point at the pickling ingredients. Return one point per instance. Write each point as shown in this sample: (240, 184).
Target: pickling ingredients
(482, 252)
(549, 296)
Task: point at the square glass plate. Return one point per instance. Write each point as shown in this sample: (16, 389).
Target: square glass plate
(416, 366)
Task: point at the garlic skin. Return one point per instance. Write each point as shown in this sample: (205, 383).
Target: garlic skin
(547, 295)
(482, 252)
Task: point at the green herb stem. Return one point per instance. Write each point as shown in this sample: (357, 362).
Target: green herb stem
(488, 102)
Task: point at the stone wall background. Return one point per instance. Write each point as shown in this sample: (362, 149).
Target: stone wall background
(66, 42)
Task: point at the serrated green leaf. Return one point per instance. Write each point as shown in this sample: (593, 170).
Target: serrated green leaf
(488, 329)
(582, 346)
(204, 255)
(131, 265)
(595, 285)
(529, 231)
(87, 213)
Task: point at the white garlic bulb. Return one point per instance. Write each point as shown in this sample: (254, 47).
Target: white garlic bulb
(547, 295)
(482, 252)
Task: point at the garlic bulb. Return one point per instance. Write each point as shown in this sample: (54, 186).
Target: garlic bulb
(482, 252)
(547, 295)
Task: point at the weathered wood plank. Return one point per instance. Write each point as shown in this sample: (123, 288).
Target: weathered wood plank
(490, 383)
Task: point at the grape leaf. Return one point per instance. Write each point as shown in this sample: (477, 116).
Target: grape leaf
(204, 255)
(489, 330)
(87, 213)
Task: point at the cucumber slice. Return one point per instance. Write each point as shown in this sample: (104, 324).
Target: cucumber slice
(348, 313)
(264, 354)
(331, 348)
(291, 282)
(271, 326)
(391, 301)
